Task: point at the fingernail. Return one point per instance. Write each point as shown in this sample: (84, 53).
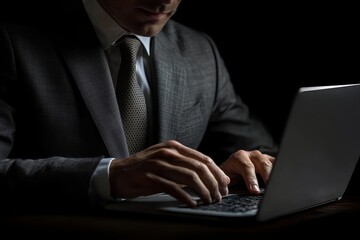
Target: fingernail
(193, 203)
(226, 191)
(255, 187)
(218, 197)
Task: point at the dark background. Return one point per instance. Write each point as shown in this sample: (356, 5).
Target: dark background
(270, 49)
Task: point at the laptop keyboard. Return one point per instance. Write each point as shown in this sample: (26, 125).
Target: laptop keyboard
(234, 203)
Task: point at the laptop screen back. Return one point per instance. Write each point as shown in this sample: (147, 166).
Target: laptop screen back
(318, 152)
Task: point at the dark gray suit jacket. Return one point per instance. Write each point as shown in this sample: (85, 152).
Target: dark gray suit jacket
(59, 114)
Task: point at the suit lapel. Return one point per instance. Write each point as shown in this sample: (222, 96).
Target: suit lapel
(169, 75)
(87, 63)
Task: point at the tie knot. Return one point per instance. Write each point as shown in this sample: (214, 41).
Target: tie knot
(129, 46)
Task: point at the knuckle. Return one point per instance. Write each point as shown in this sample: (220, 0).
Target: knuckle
(248, 165)
(240, 154)
(215, 184)
(166, 153)
(207, 160)
(192, 176)
(223, 181)
(267, 164)
(171, 143)
(257, 153)
(252, 179)
(200, 167)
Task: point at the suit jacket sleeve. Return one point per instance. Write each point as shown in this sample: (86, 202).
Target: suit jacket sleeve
(33, 181)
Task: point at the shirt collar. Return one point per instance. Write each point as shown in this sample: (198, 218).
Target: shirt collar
(107, 30)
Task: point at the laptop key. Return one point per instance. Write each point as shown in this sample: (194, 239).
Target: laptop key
(233, 203)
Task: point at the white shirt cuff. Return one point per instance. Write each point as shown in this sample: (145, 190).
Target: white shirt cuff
(99, 188)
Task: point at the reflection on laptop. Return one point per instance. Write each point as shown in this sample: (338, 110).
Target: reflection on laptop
(316, 159)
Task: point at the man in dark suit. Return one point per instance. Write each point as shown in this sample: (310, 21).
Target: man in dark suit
(61, 133)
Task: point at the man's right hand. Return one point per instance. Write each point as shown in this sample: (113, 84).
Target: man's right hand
(168, 167)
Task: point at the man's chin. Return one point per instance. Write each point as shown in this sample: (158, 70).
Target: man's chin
(148, 30)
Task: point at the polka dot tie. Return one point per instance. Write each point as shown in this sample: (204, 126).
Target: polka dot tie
(130, 97)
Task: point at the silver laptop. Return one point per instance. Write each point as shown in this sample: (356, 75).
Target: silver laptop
(317, 157)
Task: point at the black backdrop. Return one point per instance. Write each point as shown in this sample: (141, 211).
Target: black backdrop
(273, 49)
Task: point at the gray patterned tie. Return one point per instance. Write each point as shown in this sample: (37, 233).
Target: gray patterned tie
(130, 97)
